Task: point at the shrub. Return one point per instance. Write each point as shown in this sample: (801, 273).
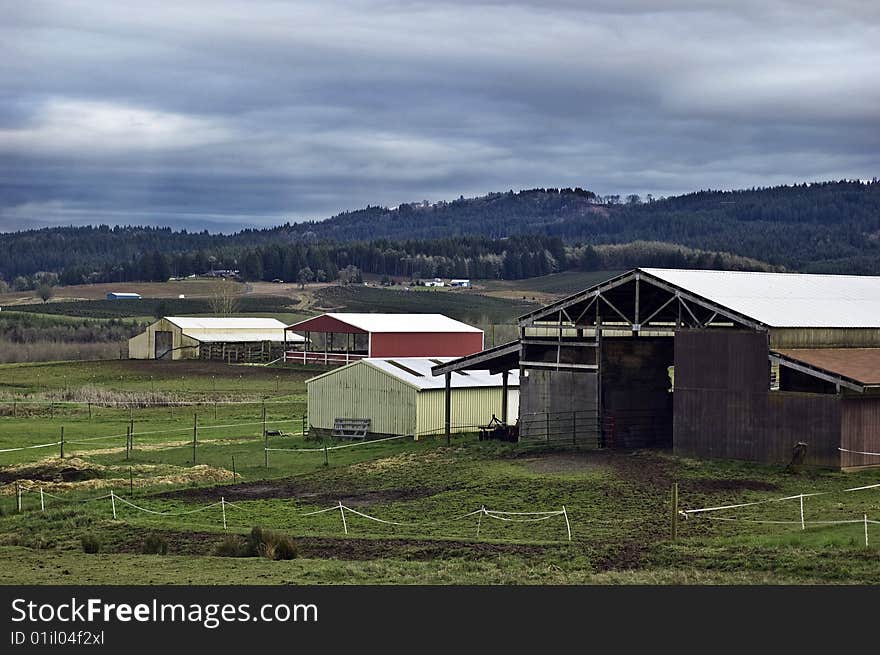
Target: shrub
(233, 546)
(90, 544)
(259, 543)
(155, 544)
(272, 545)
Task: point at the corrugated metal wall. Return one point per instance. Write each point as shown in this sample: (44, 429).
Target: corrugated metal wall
(362, 391)
(860, 430)
(470, 409)
(425, 344)
(724, 408)
(143, 346)
(824, 338)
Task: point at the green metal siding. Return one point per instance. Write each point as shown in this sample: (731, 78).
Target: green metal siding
(393, 407)
(362, 391)
(470, 408)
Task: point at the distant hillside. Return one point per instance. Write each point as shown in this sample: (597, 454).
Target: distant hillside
(832, 226)
(823, 227)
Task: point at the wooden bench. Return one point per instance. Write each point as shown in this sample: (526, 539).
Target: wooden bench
(351, 428)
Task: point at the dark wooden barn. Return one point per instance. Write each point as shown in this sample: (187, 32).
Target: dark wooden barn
(714, 364)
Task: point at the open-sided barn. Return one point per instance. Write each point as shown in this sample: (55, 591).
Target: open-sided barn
(237, 339)
(400, 396)
(715, 364)
(341, 338)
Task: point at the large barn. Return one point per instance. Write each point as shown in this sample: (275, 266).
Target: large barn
(340, 338)
(230, 340)
(400, 396)
(716, 364)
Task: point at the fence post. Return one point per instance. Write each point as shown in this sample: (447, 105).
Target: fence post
(233, 468)
(90, 411)
(803, 526)
(113, 503)
(130, 482)
(266, 447)
(42, 501)
(62, 442)
(326, 461)
(674, 512)
(127, 442)
(223, 507)
(18, 496)
(866, 530)
(195, 435)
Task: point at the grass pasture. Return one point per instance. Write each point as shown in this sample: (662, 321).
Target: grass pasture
(617, 502)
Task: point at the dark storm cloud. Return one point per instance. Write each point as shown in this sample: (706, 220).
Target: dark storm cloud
(223, 114)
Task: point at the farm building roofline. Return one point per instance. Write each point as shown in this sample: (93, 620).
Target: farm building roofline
(768, 300)
(416, 372)
(364, 323)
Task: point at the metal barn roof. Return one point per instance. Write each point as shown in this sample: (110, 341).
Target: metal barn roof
(237, 329)
(394, 322)
(861, 365)
(416, 372)
(781, 300)
(225, 323)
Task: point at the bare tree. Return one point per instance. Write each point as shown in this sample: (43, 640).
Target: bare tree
(224, 301)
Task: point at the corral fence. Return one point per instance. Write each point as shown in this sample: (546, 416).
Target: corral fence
(626, 429)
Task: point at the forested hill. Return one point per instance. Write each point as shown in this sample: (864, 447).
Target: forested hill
(820, 227)
(833, 226)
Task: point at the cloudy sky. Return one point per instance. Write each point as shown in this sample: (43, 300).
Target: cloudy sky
(226, 113)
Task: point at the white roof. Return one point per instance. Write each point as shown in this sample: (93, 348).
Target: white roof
(419, 373)
(238, 329)
(786, 299)
(404, 322)
(225, 323)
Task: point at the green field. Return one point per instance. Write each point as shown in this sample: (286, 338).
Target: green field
(617, 502)
(562, 284)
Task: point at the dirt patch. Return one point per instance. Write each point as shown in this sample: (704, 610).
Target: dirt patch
(625, 557)
(565, 463)
(299, 490)
(644, 468)
(354, 549)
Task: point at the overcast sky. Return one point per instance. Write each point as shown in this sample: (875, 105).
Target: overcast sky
(220, 114)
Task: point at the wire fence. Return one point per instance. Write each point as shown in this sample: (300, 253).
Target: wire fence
(117, 504)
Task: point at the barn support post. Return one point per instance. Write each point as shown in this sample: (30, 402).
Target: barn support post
(504, 375)
(448, 403)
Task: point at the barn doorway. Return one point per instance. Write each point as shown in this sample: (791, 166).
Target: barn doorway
(636, 392)
(164, 343)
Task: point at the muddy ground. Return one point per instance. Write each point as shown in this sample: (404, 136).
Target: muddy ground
(302, 490)
(348, 548)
